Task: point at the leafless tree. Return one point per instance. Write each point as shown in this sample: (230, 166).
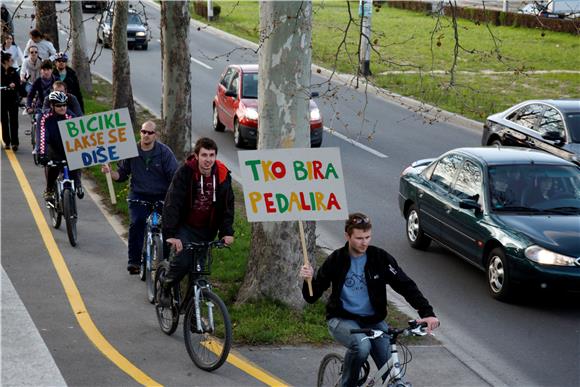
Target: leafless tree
(46, 20)
(122, 90)
(176, 67)
(284, 89)
(80, 61)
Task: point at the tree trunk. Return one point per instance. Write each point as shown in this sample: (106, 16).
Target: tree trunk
(122, 90)
(176, 69)
(284, 116)
(46, 21)
(80, 61)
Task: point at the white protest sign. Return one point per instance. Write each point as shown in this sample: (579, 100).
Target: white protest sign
(293, 184)
(98, 138)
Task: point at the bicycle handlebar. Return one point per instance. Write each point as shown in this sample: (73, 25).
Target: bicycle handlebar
(55, 163)
(218, 244)
(413, 329)
(147, 202)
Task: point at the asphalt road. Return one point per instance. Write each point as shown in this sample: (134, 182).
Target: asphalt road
(533, 343)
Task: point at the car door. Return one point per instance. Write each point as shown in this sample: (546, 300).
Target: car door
(552, 122)
(231, 102)
(221, 96)
(465, 234)
(522, 130)
(434, 195)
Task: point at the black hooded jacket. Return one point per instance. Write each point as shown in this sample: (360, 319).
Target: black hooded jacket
(180, 197)
(381, 269)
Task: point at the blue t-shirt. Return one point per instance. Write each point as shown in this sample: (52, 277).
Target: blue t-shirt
(355, 295)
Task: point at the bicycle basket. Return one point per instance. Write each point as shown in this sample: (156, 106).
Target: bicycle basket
(201, 261)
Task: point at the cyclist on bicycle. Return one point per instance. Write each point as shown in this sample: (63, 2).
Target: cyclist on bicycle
(151, 173)
(198, 205)
(72, 101)
(358, 274)
(40, 89)
(51, 147)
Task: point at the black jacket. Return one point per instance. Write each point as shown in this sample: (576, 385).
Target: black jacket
(179, 200)
(72, 85)
(381, 269)
(10, 96)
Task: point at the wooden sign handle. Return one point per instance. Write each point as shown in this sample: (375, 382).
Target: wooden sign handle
(305, 253)
(111, 187)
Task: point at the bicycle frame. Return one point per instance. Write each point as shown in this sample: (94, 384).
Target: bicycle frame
(153, 228)
(392, 367)
(63, 181)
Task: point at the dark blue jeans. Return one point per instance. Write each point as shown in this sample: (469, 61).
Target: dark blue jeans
(357, 349)
(138, 214)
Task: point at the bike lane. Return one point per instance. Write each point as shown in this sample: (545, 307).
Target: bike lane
(109, 307)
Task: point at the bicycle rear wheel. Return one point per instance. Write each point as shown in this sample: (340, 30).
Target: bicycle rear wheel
(151, 266)
(53, 208)
(330, 371)
(168, 317)
(208, 345)
(144, 259)
(70, 215)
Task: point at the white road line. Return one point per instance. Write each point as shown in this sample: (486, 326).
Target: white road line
(201, 63)
(355, 143)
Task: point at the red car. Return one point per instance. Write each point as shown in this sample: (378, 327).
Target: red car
(235, 107)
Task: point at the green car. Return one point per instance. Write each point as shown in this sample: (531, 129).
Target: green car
(513, 212)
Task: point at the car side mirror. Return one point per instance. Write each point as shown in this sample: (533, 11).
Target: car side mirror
(470, 204)
(553, 136)
(231, 93)
(314, 94)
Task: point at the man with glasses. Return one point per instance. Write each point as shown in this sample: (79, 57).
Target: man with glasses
(358, 274)
(50, 144)
(151, 173)
(68, 76)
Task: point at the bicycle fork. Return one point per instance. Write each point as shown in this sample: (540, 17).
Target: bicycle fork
(198, 320)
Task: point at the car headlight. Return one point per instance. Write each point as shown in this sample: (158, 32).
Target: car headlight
(252, 114)
(546, 257)
(140, 33)
(315, 115)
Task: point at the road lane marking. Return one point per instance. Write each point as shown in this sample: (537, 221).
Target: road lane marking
(72, 292)
(246, 365)
(355, 143)
(200, 63)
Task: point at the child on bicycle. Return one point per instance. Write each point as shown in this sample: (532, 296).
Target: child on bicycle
(358, 274)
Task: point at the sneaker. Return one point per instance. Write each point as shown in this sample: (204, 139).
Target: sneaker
(14, 148)
(133, 269)
(48, 195)
(164, 297)
(80, 192)
(6, 146)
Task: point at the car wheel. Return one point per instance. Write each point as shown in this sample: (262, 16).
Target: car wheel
(99, 40)
(498, 277)
(144, 46)
(238, 140)
(496, 142)
(415, 235)
(217, 125)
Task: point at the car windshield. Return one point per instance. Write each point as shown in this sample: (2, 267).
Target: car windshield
(535, 188)
(133, 19)
(250, 85)
(573, 123)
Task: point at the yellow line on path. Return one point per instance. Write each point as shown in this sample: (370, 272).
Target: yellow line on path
(76, 302)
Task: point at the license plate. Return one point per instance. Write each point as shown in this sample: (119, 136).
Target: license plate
(130, 39)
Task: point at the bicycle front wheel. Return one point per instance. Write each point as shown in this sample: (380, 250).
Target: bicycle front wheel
(53, 208)
(151, 266)
(208, 341)
(70, 215)
(330, 371)
(168, 317)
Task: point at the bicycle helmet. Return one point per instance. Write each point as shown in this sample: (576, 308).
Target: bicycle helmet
(57, 97)
(61, 56)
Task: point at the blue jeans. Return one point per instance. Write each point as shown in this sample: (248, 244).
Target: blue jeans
(138, 214)
(357, 349)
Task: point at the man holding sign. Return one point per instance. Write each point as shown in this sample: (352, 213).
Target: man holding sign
(198, 205)
(358, 274)
(151, 173)
(51, 146)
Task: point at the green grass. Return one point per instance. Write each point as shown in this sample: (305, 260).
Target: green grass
(406, 40)
(264, 322)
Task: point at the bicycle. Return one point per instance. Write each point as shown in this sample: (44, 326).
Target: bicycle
(152, 245)
(63, 202)
(330, 369)
(207, 335)
(32, 133)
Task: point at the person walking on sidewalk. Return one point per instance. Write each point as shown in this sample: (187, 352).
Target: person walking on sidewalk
(358, 274)
(10, 101)
(199, 205)
(151, 173)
